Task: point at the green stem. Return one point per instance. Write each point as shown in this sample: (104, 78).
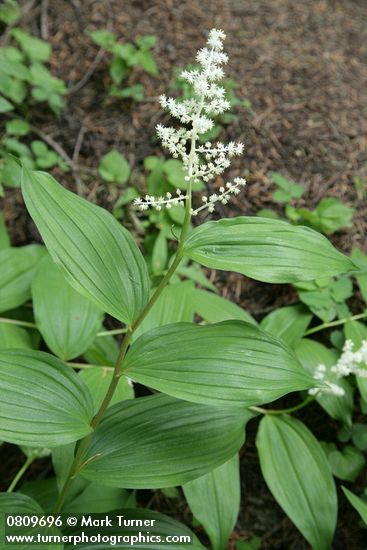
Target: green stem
(304, 403)
(17, 322)
(335, 323)
(20, 473)
(78, 459)
(112, 332)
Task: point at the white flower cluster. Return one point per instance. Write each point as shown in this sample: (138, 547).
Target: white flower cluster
(325, 386)
(159, 202)
(348, 363)
(223, 196)
(200, 162)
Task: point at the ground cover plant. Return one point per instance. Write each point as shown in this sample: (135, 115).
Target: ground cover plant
(106, 443)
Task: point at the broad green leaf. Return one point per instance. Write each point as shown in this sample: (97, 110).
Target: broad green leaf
(35, 48)
(16, 504)
(10, 11)
(159, 254)
(5, 105)
(159, 441)
(43, 490)
(98, 380)
(159, 526)
(360, 259)
(288, 323)
(231, 363)
(67, 320)
(114, 168)
(311, 354)
(357, 332)
(297, 473)
(268, 250)
(346, 464)
(213, 308)
(175, 304)
(18, 266)
(103, 38)
(97, 499)
(98, 256)
(17, 127)
(214, 499)
(12, 336)
(357, 503)
(43, 402)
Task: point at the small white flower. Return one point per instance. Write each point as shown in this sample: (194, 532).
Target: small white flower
(200, 162)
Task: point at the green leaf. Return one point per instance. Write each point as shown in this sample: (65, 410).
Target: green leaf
(297, 473)
(147, 61)
(288, 323)
(357, 503)
(114, 168)
(174, 305)
(214, 499)
(280, 181)
(213, 308)
(103, 38)
(17, 127)
(346, 464)
(311, 354)
(43, 402)
(98, 380)
(10, 12)
(360, 259)
(5, 105)
(334, 215)
(18, 504)
(98, 256)
(357, 332)
(159, 254)
(159, 441)
(281, 196)
(267, 250)
(66, 319)
(35, 48)
(12, 336)
(159, 526)
(97, 499)
(18, 268)
(231, 364)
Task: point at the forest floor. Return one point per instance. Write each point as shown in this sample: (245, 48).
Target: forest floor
(301, 66)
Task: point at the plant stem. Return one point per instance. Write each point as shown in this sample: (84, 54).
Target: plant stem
(335, 323)
(20, 473)
(111, 332)
(304, 403)
(78, 459)
(17, 322)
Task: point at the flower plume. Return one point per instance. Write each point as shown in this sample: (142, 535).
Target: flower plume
(201, 163)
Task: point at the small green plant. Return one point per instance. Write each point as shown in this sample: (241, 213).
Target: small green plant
(126, 56)
(205, 365)
(35, 155)
(329, 216)
(22, 69)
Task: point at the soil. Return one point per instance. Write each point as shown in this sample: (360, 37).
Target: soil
(302, 66)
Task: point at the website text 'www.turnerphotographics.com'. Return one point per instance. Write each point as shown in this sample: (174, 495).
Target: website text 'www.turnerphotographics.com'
(78, 530)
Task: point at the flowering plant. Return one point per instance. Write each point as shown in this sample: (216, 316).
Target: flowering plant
(205, 380)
